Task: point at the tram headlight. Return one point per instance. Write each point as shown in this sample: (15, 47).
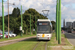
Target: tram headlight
(38, 35)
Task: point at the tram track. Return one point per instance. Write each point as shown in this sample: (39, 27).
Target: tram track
(45, 45)
(36, 45)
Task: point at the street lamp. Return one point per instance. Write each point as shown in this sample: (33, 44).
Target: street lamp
(8, 16)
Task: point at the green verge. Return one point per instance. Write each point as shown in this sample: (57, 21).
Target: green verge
(31, 43)
(23, 45)
(54, 42)
(41, 45)
(17, 37)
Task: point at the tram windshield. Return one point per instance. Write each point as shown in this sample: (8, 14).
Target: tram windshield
(43, 28)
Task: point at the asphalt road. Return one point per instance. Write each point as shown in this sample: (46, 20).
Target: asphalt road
(71, 38)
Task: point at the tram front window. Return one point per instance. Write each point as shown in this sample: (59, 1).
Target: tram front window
(43, 29)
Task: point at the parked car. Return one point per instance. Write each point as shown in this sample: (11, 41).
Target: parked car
(1, 35)
(11, 34)
(69, 30)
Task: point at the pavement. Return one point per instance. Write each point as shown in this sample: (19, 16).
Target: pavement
(3, 43)
(71, 38)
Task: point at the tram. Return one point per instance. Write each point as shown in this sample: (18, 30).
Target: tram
(44, 29)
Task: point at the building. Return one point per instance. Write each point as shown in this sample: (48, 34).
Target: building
(74, 25)
(64, 23)
(68, 24)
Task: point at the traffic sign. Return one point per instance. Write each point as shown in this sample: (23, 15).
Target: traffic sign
(20, 27)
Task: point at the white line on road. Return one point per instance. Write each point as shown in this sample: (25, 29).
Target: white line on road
(70, 34)
(69, 40)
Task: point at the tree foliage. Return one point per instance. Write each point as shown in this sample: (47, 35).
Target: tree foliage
(16, 12)
(15, 20)
(53, 25)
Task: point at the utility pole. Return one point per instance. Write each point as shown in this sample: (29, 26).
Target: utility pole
(8, 19)
(59, 38)
(21, 21)
(3, 17)
(57, 20)
(30, 24)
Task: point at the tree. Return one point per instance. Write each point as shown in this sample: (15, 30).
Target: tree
(53, 24)
(31, 11)
(34, 13)
(16, 12)
(15, 20)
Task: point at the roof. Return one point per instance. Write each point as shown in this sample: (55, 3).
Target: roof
(43, 20)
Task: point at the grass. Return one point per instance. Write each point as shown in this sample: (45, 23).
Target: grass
(30, 44)
(51, 42)
(54, 42)
(23, 45)
(18, 36)
(41, 46)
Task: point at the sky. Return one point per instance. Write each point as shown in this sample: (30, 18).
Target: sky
(67, 8)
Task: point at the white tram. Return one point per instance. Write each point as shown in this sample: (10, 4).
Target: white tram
(44, 29)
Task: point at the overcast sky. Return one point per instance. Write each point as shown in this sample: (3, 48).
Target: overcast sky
(67, 8)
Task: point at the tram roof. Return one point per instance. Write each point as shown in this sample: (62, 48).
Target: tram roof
(43, 20)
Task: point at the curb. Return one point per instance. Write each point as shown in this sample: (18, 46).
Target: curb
(69, 41)
(19, 39)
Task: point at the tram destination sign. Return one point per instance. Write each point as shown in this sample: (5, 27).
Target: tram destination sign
(43, 23)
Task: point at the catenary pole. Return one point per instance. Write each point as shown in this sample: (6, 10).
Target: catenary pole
(21, 21)
(3, 17)
(59, 40)
(30, 24)
(57, 21)
(35, 24)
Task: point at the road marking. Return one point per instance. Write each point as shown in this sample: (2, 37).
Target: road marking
(70, 42)
(71, 34)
